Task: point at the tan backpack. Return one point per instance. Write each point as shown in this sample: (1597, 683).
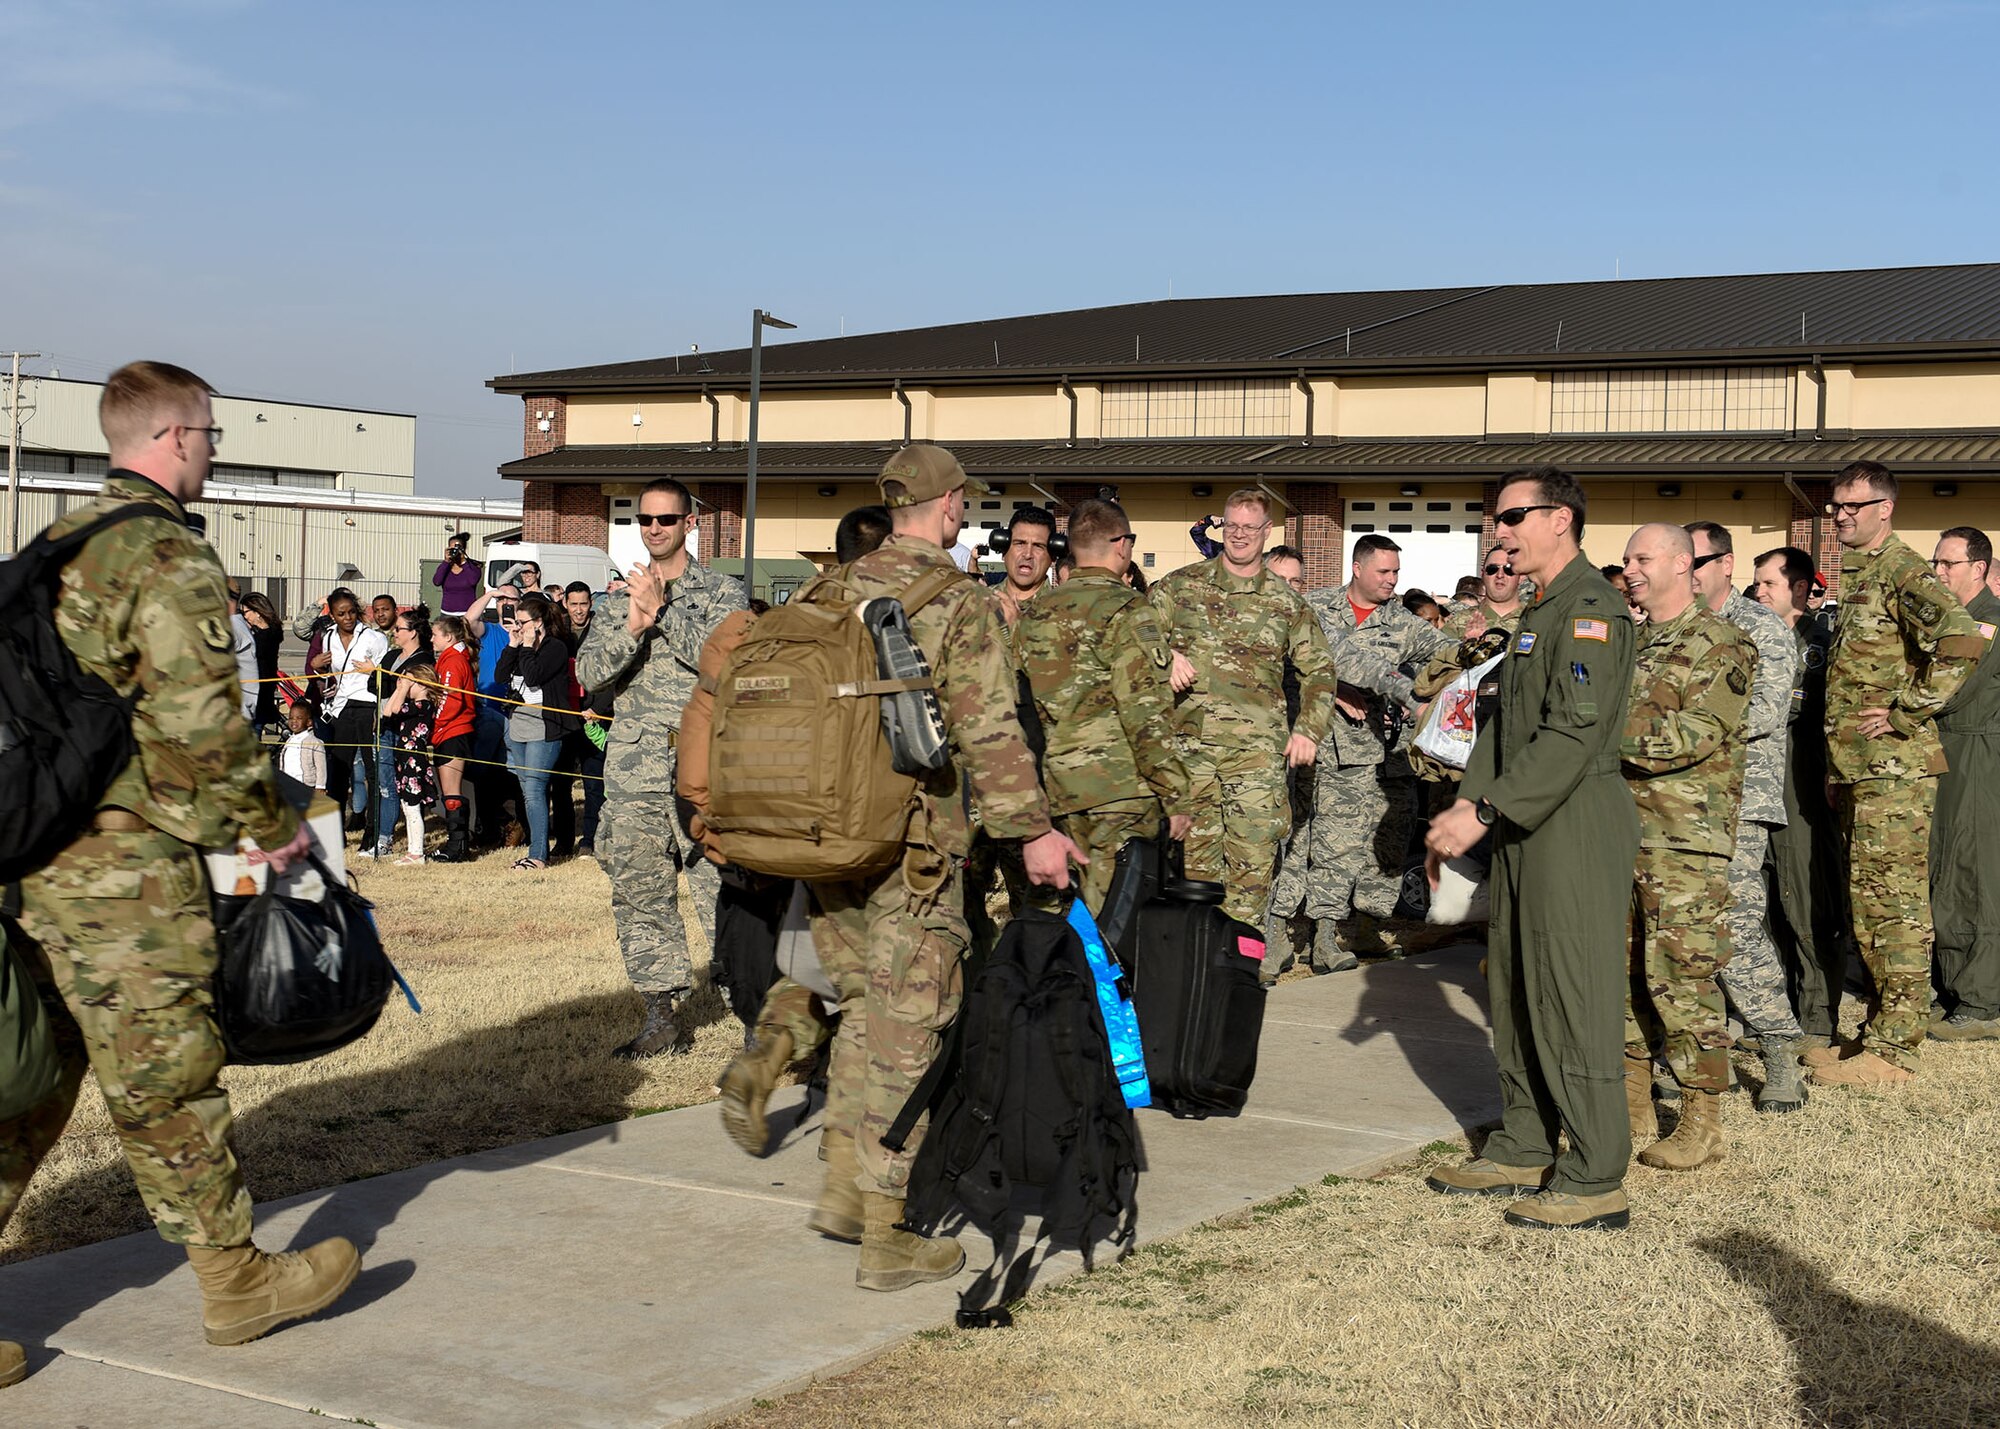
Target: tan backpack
(802, 782)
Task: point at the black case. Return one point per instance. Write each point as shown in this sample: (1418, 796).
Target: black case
(1195, 986)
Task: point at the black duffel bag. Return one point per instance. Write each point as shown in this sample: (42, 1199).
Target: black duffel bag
(299, 977)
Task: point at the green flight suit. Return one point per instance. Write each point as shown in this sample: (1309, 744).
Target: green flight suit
(1563, 854)
(1965, 833)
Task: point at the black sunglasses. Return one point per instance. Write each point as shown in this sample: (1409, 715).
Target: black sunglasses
(1515, 515)
(1499, 570)
(1700, 561)
(670, 520)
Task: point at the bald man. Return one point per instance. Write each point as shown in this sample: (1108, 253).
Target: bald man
(1683, 757)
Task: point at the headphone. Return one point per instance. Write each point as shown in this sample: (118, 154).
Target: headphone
(1000, 540)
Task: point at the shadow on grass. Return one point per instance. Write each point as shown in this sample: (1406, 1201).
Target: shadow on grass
(1862, 1362)
(551, 1056)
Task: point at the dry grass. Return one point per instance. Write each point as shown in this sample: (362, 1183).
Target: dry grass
(523, 994)
(1838, 1269)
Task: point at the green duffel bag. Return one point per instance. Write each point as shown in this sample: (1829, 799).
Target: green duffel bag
(29, 1066)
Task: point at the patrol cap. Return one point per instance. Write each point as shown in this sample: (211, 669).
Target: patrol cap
(927, 471)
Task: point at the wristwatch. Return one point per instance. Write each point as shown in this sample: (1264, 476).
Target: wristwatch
(1486, 813)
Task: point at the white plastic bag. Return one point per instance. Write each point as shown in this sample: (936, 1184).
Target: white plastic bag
(1449, 727)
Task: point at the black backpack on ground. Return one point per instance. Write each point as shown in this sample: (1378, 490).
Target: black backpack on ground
(64, 734)
(1195, 985)
(1023, 1098)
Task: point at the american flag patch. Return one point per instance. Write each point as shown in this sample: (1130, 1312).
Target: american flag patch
(1591, 630)
(1986, 629)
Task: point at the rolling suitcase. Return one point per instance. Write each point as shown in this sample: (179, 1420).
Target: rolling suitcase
(1195, 987)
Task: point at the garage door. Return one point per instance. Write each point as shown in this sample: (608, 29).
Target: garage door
(1440, 539)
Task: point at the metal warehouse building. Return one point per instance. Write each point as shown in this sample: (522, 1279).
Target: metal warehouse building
(302, 498)
(1731, 398)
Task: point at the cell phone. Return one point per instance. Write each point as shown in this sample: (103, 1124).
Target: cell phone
(506, 610)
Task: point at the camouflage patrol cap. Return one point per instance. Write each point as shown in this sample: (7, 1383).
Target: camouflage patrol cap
(927, 471)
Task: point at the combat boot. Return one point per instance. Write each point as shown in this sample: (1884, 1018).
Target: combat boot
(658, 1033)
(1328, 956)
(1963, 1026)
(1696, 1142)
(1836, 1050)
(1863, 1069)
(1639, 1096)
(838, 1214)
(13, 1363)
(1278, 951)
(1565, 1211)
(246, 1293)
(1784, 1090)
(1480, 1177)
(747, 1084)
(894, 1257)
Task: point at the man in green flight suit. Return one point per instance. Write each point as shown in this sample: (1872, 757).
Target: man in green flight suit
(1965, 835)
(1902, 648)
(1097, 665)
(121, 945)
(1544, 781)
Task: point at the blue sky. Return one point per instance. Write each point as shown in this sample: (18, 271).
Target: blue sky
(386, 204)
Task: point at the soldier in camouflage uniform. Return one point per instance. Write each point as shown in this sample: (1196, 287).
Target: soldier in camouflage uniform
(1097, 665)
(1364, 793)
(1683, 758)
(1754, 981)
(1230, 626)
(1472, 635)
(1901, 650)
(893, 944)
(1807, 860)
(120, 941)
(645, 647)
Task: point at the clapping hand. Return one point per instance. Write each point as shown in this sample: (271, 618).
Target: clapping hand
(648, 593)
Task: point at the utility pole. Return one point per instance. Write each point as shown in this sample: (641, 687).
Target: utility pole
(14, 455)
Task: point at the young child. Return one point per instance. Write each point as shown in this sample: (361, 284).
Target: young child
(410, 713)
(304, 755)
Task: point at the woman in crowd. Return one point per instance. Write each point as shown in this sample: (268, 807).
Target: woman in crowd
(349, 657)
(451, 730)
(268, 633)
(410, 634)
(536, 668)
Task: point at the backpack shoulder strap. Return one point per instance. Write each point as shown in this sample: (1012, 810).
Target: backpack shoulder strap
(62, 549)
(929, 586)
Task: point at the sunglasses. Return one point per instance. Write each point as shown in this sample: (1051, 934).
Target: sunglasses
(1499, 570)
(1515, 515)
(670, 520)
(1700, 561)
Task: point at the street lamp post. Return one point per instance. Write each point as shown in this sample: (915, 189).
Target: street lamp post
(759, 320)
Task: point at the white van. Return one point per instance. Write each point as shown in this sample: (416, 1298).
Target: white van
(560, 564)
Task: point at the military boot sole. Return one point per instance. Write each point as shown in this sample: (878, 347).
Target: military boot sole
(903, 1277)
(1783, 1108)
(743, 1103)
(242, 1332)
(1608, 1221)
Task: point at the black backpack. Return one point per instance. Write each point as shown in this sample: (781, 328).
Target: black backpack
(1024, 1098)
(64, 734)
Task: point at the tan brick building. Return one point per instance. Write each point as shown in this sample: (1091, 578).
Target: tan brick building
(1731, 398)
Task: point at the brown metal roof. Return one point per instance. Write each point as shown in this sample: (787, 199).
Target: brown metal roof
(1784, 316)
(1225, 460)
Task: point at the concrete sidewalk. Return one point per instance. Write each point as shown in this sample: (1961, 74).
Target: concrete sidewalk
(647, 1273)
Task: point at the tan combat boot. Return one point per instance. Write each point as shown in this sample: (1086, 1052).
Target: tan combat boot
(13, 1363)
(1564, 1211)
(1697, 1141)
(838, 1214)
(1480, 1177)
(246, 1293)
(893, 1258)
(747, 1084)
(1863, 1069)
(1639, 1096)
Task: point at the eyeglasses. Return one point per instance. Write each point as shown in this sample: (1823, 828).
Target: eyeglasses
(214, 433)
(1499, 570)
(1515, 515)
(1851, 508)
(1947, 565)
(1128, 536)
(1232, 529)
(1700, 561)
(670, 520)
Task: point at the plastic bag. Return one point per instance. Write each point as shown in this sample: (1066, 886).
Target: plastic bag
(1450, 725)
(299, 976)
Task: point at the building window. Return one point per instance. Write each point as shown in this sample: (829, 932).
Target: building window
(1672, 399)
(1256, 407)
